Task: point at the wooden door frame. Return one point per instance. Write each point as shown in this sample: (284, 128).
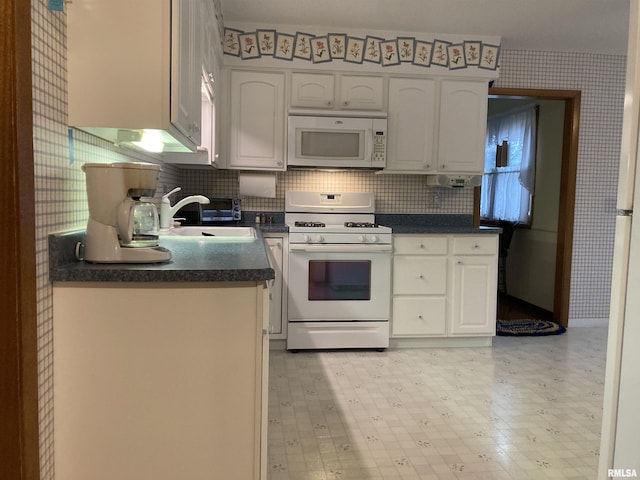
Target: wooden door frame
(19, 456)
(566, 210)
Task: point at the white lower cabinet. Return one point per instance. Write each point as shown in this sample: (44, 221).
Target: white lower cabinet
(160, 381)
(278, 259)
(444, 285)
(419, 315)
(474, 285)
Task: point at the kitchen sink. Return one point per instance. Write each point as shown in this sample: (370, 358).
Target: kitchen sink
(215, 233)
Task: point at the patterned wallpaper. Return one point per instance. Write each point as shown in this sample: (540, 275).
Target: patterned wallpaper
(61, 202)
(394, 193)
(61, 196)
(601, 78)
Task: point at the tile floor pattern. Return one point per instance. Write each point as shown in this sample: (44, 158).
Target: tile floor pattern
(527, 408)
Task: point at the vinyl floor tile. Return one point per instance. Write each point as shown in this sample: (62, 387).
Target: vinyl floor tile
(525, 408)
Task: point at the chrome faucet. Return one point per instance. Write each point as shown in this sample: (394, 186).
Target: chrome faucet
(167, 211)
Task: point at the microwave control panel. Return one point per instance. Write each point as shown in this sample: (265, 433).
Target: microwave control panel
(379, 147)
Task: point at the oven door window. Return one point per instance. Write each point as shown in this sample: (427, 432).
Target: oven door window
(339, 280)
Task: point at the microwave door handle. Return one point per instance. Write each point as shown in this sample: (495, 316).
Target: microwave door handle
(368, 152)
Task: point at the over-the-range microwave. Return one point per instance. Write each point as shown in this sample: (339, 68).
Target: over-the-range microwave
(319, 141)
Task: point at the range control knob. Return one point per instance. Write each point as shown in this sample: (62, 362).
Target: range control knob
(362, 238)
(306, 238)
(320, 239)
(375, 238)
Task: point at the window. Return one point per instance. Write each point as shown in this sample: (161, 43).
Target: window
(509, 166)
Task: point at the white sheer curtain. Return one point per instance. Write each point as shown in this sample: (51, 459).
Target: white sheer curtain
(507, 190)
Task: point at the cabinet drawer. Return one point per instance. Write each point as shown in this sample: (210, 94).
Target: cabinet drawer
(420, 245)
(475, 245)
(419, 316)
(419, 275)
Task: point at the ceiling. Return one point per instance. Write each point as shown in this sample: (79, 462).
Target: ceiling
(597, 26)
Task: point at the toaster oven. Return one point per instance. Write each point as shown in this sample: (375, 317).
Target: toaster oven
(218, 210)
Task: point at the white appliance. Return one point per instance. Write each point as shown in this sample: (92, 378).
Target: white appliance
(121, 228)
(620, 441)
(339, 284)
(336, 142)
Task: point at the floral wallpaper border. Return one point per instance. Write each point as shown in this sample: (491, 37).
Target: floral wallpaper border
(342, 47)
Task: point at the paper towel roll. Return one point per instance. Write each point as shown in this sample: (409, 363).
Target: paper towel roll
(257, 185)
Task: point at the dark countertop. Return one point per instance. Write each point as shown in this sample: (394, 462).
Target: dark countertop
(193, 260)
(399, 223)
(196, 260)
(433, 223)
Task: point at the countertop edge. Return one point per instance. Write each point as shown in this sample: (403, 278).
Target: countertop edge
(251, 264)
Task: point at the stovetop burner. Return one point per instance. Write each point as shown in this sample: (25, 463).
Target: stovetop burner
(360, 225)
(309, 224)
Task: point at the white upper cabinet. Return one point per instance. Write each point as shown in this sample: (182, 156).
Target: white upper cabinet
(312, 90)
(436, 126)
(186, 65)
(133, 75)
(210, 39)
(361, 93)
(208, 80)
(463, 126)
(256, 120)
(411, 124)
(336, 92)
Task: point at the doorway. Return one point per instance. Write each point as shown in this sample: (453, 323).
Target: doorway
(566, 200)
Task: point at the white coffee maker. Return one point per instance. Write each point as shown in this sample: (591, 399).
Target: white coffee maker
(121, 227)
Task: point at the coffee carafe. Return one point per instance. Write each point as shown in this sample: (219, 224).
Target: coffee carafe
(122, 228)
(138, 224)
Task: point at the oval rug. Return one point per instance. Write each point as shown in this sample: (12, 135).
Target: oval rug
(528, 327)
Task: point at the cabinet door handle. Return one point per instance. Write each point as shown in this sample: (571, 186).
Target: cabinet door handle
(459, 262)
(419, 316)
(421, 245)
(421, 277)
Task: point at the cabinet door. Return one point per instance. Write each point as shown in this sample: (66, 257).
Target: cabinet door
(411, 121)
(275, 249)
(142, 395)
(418, 316)
(209, 36)
(361, 93)
(463, 126)
(257, 120)
(473, 296)
(186, 65)
(414, 275)
(312, 90)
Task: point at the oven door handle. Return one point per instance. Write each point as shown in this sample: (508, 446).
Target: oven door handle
(357, 248)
